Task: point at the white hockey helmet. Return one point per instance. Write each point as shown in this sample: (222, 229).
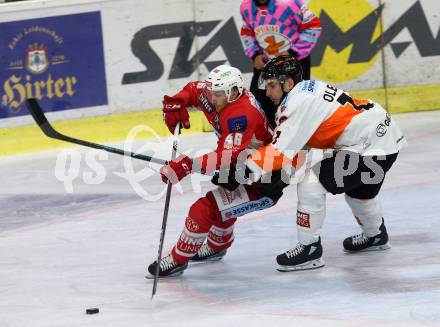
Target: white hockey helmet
(225, 78)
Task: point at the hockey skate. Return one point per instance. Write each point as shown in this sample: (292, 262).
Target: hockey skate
(362, 242)
(301, 257)
(168, 268)
(206, 254)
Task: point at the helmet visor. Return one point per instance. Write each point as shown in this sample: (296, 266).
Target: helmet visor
(261, 82)
(265, 77)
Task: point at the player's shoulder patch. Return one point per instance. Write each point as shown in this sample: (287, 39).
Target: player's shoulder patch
(308, 87)
(237, 124)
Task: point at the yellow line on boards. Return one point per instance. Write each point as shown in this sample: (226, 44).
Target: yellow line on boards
(113, 128)
(405, 98)
(100, 129)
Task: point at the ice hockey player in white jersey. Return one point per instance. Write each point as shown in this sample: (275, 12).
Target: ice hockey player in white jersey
(362, 143)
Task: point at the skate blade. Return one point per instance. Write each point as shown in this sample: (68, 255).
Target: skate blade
(176, 274)
(313, 264)
(210, 260)
(372, 248)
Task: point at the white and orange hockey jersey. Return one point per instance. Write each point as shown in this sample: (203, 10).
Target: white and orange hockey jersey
(317, 115)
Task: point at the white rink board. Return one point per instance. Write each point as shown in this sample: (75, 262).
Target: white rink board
(411, 68)
(122, 19)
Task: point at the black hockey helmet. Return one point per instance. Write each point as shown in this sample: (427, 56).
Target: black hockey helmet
(261, 2)
(282, 68)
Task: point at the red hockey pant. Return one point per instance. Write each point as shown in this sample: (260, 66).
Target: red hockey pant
(213, 216)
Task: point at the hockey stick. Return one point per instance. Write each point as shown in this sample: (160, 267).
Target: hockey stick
(37, 113)
(165, 215)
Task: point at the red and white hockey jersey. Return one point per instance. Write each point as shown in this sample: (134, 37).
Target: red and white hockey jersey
(317, 115)
(241, 125)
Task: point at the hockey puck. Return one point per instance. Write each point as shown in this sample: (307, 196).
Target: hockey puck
(92, 311)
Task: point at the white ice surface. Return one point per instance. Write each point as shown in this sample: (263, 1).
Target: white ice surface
(61, 253)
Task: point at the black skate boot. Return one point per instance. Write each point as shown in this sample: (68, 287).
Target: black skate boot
(301, 257)
(206, 254)
(168, 268)
(362, 242)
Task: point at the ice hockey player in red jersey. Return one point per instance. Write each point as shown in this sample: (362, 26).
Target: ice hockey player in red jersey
(239, 124)
(363, 142)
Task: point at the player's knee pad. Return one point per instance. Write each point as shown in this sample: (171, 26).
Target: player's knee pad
(367, 212)
(204, 212)
(311, 208)
(311, 194)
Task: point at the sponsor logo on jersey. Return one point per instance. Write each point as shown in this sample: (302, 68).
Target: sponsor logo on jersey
(381, 130)
(238, 124)
(217, 125)
(205, 104)
(246, 208)
(226, 196)
(303, 219)
(283, 103)
(387, 121)
(283, 107)
(308, 87)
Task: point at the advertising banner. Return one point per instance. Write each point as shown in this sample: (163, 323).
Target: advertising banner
(153, 48)
(59, 60)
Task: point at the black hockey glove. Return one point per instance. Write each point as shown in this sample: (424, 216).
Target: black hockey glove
(227, 176)
(274, 188)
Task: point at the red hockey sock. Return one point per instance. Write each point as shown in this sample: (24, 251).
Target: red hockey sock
(221, 237)
(197, 224)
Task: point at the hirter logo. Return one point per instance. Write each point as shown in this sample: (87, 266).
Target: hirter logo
(303, 219)
(36, 58)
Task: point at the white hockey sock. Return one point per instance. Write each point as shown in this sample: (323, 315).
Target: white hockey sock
(368, 213)
(311, 208)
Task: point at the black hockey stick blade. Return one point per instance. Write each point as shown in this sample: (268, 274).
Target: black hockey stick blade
(37, 113)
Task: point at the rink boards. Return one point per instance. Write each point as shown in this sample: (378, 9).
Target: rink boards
(109, 72)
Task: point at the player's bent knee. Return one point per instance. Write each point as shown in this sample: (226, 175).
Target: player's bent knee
(311, 195)
(364, 207)
(204, 211)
